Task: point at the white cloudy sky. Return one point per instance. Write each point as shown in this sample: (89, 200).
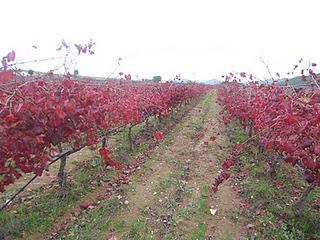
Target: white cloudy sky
(198, 39)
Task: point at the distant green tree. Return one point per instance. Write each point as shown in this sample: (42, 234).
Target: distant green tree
(30, 72)
(157, 78)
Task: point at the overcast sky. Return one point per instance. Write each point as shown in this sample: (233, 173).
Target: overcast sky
(197, 39)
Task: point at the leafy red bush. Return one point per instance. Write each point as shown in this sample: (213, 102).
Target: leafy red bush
(37, 116)
(284, 120)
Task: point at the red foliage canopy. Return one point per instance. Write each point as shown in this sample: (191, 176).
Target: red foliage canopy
(36, 116)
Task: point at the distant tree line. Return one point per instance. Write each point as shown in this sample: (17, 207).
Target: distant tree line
(154, 79)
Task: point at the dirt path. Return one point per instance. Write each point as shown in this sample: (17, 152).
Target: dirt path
(169, 197)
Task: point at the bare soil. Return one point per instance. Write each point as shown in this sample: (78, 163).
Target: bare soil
(169, 197)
